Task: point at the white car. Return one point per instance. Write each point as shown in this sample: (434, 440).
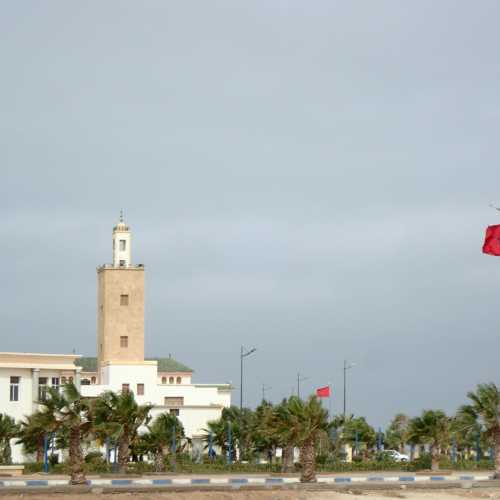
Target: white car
(396, 456)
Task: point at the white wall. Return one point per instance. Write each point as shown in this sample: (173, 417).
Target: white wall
(194, 420)
(26, 403)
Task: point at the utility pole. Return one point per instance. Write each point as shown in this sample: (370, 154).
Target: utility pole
(264, 389)
(299, 380)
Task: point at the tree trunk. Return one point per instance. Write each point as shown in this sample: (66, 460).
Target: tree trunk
(39, 451)
(496, 453)
(123, 453)
(7, 453)
(287, 459)
(159, 462)
(76, 458)
(308, 462)
(434, 458)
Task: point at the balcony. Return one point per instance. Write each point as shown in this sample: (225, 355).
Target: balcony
(111, 266)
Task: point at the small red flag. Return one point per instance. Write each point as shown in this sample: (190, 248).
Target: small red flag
(492, 240)
(323, 392)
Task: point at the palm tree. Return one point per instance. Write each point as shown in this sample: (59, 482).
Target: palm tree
(159, 438)
(217, 430)
(32, 433)
(263, 437)
(118, 415)
(69, 411)
(8, 430)
(485, 409)
(365, 433)
(432, 428)
(271, 431)
(306, 421)
(397, 432)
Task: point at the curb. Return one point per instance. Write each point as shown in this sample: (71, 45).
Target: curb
(236, 482)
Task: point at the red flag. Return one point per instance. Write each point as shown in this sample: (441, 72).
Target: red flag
(492, 240)
(323, 392)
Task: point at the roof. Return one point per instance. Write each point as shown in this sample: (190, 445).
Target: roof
(171, 365)
(89, 364)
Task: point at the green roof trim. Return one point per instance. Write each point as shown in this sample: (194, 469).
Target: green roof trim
(89, 364)
(170, 365)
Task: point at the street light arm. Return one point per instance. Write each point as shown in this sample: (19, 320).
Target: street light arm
(251, 351)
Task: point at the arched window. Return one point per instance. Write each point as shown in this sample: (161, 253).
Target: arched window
(70, 380)
(171, 380)
(93, 380)
(179, 380)
(63, 380)
(164, 380)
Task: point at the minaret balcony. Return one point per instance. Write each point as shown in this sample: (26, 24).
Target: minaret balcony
(130, 266)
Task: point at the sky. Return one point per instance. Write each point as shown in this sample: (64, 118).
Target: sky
(311, 179)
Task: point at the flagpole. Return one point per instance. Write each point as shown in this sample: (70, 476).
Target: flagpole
(330, 401)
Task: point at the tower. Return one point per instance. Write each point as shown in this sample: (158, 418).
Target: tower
(121, 244)
(120, 306)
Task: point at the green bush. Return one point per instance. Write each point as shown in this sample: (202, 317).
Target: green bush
(95, 464)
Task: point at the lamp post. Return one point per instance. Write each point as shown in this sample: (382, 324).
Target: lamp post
(346, 367)
(243, 354)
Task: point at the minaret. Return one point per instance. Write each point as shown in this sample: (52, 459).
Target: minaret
(120, 307)
(121, 244)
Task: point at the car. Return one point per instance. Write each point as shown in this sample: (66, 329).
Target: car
(396, 456)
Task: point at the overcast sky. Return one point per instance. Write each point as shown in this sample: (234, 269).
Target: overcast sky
(308, 178)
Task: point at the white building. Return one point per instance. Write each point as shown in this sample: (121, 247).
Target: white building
(120, 363)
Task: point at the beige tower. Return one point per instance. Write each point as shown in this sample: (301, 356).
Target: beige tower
(120, 305)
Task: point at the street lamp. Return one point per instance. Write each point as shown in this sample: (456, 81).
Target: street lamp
(243, 354)
(346, 367)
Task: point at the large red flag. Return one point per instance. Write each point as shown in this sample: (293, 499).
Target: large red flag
(492, 240)
(323, 392)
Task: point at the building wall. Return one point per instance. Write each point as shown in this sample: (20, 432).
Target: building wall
(171, 378)
(28, 395)
(194, 420)
(115, 320)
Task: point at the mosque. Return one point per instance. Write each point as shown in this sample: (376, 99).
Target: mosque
(120, 364)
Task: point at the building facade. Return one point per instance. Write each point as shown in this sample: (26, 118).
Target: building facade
(120, 364)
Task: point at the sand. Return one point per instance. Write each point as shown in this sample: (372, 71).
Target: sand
(458, 494)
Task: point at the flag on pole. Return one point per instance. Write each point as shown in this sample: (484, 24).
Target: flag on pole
(492, 240)
(323, 392)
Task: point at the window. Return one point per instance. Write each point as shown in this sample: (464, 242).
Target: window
(140, 389)
(85, 381)
(164, 380)
(125, 387)
(178, 380)
(123, 341)
(14, 388)
(70, 380)
(123, 245)
(93, 380)
(171, 380)
(176, 401)
(124, 300)
(42, 388)
(63, 380)
(174, 411)
(122, 263)
(55, 382)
